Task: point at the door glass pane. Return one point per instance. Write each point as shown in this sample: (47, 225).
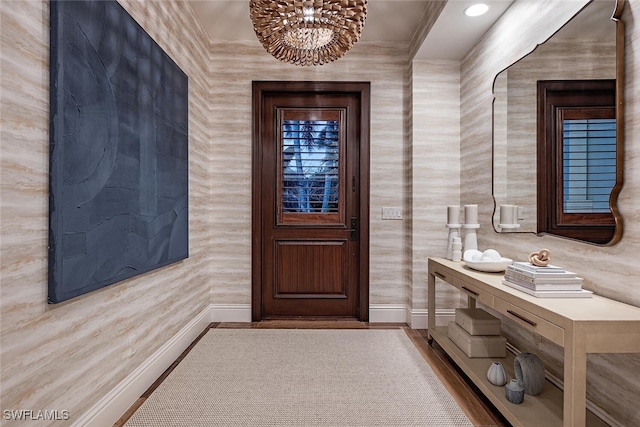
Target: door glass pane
(310, 165)
(589, 164)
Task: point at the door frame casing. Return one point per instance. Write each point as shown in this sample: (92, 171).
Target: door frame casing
(262, 89)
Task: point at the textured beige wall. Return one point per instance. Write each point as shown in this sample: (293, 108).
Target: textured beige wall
(67, 356)
(435, 154)
(233, 67)
(613, 380)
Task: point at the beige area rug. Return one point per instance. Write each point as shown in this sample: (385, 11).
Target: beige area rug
(301, 377)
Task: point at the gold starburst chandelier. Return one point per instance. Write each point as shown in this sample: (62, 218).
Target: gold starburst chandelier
(308, 32)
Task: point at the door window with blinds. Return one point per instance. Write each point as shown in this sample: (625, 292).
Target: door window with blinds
(310, 166)
(577, 143)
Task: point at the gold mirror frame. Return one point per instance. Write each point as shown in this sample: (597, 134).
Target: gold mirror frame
(619, 75)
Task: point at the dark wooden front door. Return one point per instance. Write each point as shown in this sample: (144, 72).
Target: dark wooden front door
(310, 200)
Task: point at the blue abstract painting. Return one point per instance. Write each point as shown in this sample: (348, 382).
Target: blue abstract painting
(118, 187)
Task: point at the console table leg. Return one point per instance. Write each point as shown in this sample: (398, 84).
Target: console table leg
(431, 305)
(575, 381)
(471, 302)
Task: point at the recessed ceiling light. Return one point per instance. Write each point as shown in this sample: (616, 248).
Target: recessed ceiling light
(476, 9)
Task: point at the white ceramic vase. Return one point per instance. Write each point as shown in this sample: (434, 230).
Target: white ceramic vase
(496, 374)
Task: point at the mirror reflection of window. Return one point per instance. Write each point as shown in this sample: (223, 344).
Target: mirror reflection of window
(588, 163)
(588, 47)
(576, 168)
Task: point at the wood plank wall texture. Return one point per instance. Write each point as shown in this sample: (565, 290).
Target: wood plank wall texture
(430, 146)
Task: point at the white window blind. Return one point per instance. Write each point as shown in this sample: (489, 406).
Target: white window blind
(589, 164)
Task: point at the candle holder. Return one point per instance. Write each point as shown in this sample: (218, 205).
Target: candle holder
(508, 217)
(454, 232)
(470, 226)
(470, 236)
(453, 224)
(456, 253)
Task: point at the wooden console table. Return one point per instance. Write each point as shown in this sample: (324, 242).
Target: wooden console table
(579, 325)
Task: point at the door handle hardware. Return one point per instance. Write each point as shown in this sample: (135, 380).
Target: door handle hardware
(521, 317)
(354, 228)
(474, 293)
(440, 275)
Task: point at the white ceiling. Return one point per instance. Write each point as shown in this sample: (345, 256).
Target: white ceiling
(387, 20)
(454, 33)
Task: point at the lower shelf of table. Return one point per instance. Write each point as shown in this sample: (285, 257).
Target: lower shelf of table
(542, 410)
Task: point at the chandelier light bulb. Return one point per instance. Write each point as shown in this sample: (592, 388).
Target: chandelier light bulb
(308, 14)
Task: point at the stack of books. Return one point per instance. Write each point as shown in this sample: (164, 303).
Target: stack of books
(544, 282)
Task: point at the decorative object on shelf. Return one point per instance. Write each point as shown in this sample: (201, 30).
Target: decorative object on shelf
(496, 374)
(540, 258)
(514, 392)
(489, 261)
(508, 216)
(529, 371)
(545, 282)
(306, 32)
(470, 226)
(477, 345)
(453, 224)
(477, 321)
(581, 293)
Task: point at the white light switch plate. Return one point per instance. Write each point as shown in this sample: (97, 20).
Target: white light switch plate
(391, 213)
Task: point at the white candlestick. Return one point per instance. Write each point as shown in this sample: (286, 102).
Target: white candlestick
(453, 214)
(456, 254)
(454, 233)
(470, 239)
(507, 214)
(470, 214)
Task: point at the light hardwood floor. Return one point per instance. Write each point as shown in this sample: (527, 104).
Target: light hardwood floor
(478, 410)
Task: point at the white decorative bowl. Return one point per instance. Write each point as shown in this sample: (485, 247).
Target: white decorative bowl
(490, 266)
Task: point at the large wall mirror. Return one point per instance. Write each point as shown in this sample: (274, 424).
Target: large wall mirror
(588, 50)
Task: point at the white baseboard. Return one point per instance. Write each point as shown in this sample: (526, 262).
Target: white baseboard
(378, 313)
(417, 318)
(115, 403)
(387, 313)
(230, 312)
